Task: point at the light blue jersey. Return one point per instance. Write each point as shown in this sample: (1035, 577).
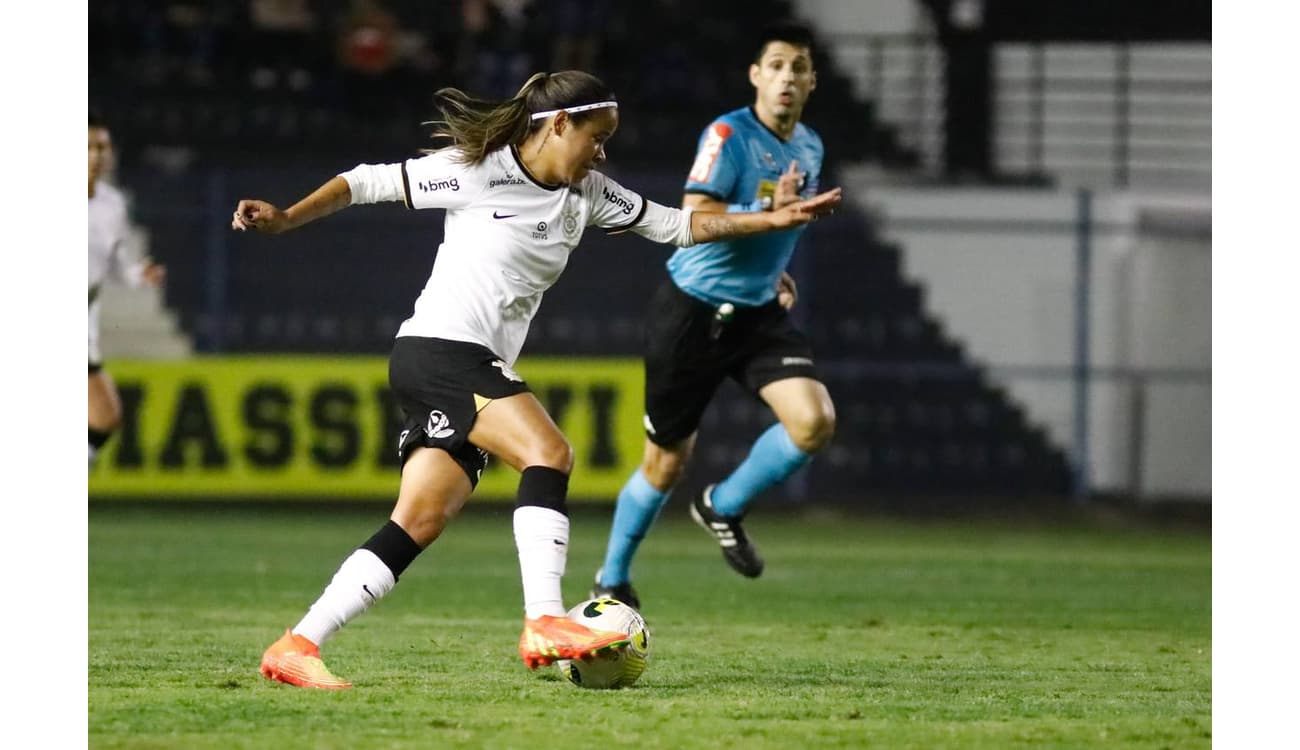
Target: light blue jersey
(739, 162)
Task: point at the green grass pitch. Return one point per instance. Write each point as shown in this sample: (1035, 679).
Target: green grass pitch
(863, 632)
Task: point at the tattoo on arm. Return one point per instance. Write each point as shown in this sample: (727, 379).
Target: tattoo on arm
(716, 227)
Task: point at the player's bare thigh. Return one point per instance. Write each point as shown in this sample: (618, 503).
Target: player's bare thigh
(104, 411)
(517, 430)
(805, 409)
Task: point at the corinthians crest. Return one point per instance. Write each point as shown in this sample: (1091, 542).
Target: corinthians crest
(570, 219)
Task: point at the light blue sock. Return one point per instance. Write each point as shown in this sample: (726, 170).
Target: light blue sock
(638, 505)
(773, 458)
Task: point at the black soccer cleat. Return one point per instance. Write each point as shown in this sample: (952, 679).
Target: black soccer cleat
(620, 591)
(739, 552)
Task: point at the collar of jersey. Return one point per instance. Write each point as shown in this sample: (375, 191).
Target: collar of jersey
(763, 125)
(545, 186)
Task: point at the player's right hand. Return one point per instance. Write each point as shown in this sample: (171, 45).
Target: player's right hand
(259, 215)
(155, 274)
(800, 213)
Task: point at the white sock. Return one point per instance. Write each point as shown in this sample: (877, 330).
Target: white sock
(542, 539)
(362, 580)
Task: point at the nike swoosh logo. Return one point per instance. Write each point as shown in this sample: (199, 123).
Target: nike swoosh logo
(366, 588)
(496, 215)
(558, 543)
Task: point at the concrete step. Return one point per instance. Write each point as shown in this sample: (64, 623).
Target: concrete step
(135, 323)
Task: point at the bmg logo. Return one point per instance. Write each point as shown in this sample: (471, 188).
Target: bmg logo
(436, 184)
(618, 200)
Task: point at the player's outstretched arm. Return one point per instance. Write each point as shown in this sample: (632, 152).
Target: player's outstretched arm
(710, 226)
(333, 196)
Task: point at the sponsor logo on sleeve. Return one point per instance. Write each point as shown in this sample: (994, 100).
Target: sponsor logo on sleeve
(709, 151)
(624, 203)
(435, 184)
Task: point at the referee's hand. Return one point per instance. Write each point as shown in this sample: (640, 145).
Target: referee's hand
(786, 292)
(802, 212)
(788, 187)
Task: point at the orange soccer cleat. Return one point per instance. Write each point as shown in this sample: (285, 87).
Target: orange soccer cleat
(296, 661)
(549, 638)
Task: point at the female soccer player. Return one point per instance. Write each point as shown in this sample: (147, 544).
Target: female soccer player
(519, 185)
(106, 228)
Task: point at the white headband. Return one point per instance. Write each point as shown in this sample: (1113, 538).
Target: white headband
(579, 108)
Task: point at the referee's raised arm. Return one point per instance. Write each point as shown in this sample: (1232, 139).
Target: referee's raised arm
(708, 226)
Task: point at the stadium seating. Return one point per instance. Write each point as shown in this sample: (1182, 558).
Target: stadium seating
(915, 414)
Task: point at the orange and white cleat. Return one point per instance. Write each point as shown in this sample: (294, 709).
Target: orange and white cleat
(548, 638)
(295, 660)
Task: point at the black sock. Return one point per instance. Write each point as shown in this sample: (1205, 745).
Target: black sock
(394, 547)
(544, 487)
(98, 438)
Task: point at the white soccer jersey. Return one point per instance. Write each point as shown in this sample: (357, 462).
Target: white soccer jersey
(107, 228)
(507, 238)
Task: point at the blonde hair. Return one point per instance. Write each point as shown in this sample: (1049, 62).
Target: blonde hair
(477, 127)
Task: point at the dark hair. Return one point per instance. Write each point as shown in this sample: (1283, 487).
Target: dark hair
(790, 32)
(96, 120)
(478, 127)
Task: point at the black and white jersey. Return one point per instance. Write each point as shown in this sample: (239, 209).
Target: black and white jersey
(507, 238)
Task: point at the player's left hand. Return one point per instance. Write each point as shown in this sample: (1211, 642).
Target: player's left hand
(788, 187)
(786, 292)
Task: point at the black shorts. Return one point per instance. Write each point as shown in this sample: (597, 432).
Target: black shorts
(440, 386)
(689, 352)
(93, 367)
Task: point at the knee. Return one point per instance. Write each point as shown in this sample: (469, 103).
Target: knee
(663, 467)
(106, 420)
(104, 410)
(424, 528)
(555, 452)
(813, 430)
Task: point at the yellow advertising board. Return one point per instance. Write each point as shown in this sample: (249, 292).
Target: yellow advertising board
(327, 427)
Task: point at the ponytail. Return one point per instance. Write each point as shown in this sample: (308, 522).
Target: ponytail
(477, 127)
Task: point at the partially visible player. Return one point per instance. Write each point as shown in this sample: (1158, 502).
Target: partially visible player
(519, 183)
(723, 313)
(109, 260)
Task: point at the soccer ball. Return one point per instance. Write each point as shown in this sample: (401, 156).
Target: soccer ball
(612, 669)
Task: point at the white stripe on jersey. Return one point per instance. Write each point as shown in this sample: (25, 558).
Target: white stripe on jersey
(506, 240)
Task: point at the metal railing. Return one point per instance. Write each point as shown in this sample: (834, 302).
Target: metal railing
(1105, 114)
(1133, 387)
(1094, 115)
